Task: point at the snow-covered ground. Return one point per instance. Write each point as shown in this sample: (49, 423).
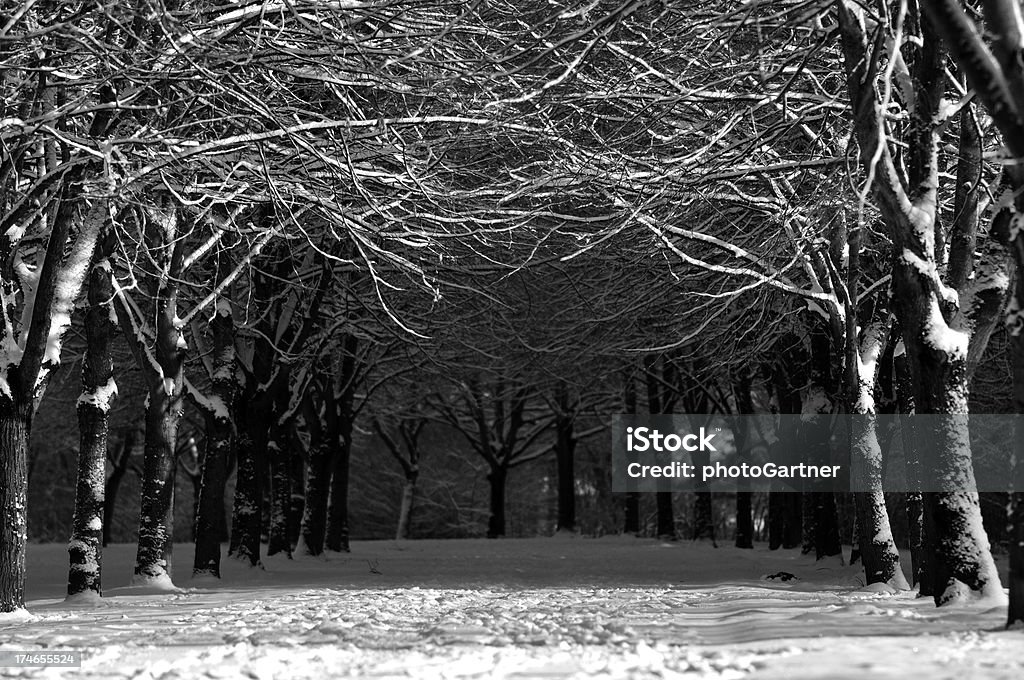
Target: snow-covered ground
(556, 607)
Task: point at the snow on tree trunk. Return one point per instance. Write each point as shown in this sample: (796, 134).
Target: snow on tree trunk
(156, 519)
(27, 359)
(878, 550)
(937, 355)
(163, 367)
(497, 478)
(920, 571)
(14, 429)
(84, 576)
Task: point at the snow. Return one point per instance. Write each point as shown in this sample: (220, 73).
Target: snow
(101, 397)
(607, 608)
(938, 334)
(69, 282)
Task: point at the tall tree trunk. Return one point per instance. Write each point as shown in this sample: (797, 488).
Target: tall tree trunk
(210, 514)
(156, 519)
(1015, 613)
(938, 350)
(219, 444)
(337, 511)
(15, 423)
(318, 484)
(247, 511)
(496, 522)
(666, 521)
(744, 509)
(919, 557)
(281, 494)
(341, 423)
(337, 534)
(340, 433)
(631, 524)
(297, 503)
(665, 515)
(960, 557)
(565, 447)
(98, 388)
(775, 519)
(874, 535)
(162, 366)
(816, 434)
(404, 530)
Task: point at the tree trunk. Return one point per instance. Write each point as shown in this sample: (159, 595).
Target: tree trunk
(337, 511)
(247, 511)
(703, 520)
(565, 446)
(794, 521)
(1015, 613)
(874, 535)
(960, 553)
(219, 444)
(919, 567)
(405, 510)
(744, 502)
(156, 519)
(878, 550)
(281, 495)
(210, 514)
(496, 522)
(318, 486)
(744, 520)
(339, 432)
(776, 518)
(15, 423)
(816, 433)
(98, 388)
(297, 503)
(1016, 609)
(631, 525)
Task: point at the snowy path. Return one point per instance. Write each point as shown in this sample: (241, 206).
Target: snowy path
(535, 608)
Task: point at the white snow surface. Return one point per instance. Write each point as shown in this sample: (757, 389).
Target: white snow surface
(550, 607)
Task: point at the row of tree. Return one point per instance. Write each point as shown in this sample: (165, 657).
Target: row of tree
(291, 211)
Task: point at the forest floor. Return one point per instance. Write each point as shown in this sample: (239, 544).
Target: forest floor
(555, 608)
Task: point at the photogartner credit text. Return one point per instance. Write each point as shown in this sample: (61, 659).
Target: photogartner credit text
(804, 452)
